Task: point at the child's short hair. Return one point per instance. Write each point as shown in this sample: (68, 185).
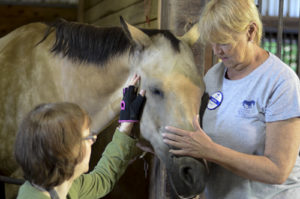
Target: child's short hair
(49, 143)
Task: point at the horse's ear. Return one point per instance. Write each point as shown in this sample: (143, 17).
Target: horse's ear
(135, 35)
(191, 36)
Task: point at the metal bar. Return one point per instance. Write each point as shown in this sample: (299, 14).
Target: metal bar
(9, 180)
(268, 6)
(280, 29)
(298, 68)
(288, 8)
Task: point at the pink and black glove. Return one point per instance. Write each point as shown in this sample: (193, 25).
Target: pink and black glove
(131, 105)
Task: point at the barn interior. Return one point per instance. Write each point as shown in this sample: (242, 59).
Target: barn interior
(281, 21)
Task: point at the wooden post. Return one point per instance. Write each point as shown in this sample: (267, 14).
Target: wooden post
(163, 14)
(280, 29)
(179, 17)
(80, 11)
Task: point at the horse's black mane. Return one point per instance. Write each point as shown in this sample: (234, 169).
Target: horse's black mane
(87, 43)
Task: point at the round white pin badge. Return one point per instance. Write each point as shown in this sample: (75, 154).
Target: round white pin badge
(215, 100)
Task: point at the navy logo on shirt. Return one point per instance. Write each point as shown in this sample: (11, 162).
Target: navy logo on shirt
(248, 104)
(248, 108)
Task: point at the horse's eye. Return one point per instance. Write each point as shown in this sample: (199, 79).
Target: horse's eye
(157, 92)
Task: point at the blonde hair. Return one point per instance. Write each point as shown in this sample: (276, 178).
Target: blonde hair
(222, 19)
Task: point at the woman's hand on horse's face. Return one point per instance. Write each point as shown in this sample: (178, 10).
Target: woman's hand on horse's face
(191, 143)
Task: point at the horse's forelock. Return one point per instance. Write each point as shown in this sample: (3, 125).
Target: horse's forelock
(167, 34)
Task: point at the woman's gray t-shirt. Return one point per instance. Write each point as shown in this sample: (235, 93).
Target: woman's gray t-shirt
(236, 118)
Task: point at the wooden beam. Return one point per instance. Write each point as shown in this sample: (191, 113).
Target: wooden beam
(10, 180)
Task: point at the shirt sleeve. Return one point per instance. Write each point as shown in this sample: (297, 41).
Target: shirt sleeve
(109, 169)
(284, 102)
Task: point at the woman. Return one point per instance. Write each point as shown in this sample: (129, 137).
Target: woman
(53, 147)
(251, 126)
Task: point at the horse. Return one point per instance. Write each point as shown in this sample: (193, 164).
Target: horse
(89, 66)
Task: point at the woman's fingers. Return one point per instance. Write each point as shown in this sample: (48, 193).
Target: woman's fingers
(184, 132)
(175, 130)
(174, 143)
(178, 152)
(171, 136)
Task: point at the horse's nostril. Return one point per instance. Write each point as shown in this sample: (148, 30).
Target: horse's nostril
(186, 175)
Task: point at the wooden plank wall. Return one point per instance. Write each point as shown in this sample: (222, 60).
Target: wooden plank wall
(13, 16)
(107, 12)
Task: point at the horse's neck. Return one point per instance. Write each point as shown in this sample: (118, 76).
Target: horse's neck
(98, 89)
(108, 113)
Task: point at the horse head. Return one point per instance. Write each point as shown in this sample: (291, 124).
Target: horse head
(173, 94)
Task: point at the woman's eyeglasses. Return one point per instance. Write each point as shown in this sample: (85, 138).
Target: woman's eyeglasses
(92, 136)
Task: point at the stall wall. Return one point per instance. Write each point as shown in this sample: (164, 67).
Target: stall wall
(142, 13)
(14, 15)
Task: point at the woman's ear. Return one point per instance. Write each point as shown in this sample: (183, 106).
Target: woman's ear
(252, 29)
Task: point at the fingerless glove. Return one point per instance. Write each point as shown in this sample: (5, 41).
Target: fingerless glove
(131, 105)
